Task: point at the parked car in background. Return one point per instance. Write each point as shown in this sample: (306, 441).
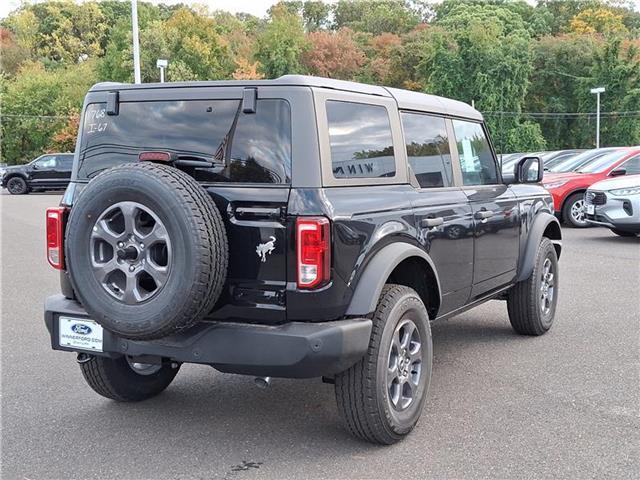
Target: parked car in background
(550, 159)
(509, 160)
(615, 203)
(574, 162)
(568, 189)
(51, 171)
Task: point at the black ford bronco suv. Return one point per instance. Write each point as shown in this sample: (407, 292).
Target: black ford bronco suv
(298, 227)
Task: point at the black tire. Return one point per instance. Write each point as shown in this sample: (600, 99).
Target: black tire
(622, 233)
(196, 264)
(364, 397)
(568, 217)
(117, 380)
(17, 186)
(525, 299)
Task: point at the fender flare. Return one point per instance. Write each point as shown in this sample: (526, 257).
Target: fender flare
(528, 254)
(22, 175)
(367, 292)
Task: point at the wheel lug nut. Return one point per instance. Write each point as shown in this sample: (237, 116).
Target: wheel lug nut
(120, 244)
(132, 268)
(142, 245)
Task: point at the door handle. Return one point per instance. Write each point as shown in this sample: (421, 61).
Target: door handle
(483, 214)
(431, 222)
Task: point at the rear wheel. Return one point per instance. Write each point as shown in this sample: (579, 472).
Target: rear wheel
(622, 233)
(531, 303)
(573, 211)
(124, 380)
(382, 396)
(17, 186)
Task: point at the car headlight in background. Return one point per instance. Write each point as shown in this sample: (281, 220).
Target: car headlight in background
(552, 185)
(625, 191)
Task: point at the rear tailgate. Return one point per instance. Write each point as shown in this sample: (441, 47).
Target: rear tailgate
(249, 177)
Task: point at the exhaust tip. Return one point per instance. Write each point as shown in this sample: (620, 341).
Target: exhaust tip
(262, 382)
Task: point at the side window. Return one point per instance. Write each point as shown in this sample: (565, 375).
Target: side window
(261, 146)
(428, 149)
(476, 159)
(361, 141)
(46, 162)
(65, 162)
(632, 166)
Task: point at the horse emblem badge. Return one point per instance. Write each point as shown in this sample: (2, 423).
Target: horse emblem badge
(266, 248)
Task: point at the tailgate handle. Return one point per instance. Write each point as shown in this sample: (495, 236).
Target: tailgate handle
(263, 211)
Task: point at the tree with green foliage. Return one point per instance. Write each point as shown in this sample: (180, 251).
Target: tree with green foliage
(281, 44)
(479, 53)
(37, 106)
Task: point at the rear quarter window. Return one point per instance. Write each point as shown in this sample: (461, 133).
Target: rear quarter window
(245, 147)
(360, 139)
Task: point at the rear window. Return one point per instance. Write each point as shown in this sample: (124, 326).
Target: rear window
(360, 139)
(245, 147)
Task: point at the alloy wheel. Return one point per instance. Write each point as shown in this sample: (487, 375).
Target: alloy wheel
(130, 252)
(577, 212)
(547, 287)
(404, 368)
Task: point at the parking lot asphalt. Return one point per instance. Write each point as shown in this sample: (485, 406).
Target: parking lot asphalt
(564, 405)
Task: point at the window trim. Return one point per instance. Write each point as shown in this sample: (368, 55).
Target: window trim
(413, 180)
(399, 151)
(457, 166)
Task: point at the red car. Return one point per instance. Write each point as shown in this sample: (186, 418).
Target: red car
(568, 188)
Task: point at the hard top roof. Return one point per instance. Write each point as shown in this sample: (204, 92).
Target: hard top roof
(406, 99)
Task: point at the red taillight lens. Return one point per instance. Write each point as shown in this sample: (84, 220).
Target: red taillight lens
(313, 248)
(154, 157)
(55, 236)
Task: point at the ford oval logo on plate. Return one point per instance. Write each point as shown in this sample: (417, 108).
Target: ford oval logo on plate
(81, 329)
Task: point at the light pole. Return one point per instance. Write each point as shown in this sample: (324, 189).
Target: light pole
(161, 64)
(597, 91)
(136, 41)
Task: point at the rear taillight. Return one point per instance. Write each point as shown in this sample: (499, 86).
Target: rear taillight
(313, 249)
(55, 236)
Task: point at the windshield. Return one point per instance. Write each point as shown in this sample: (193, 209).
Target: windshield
(604, 162)
(572, 163)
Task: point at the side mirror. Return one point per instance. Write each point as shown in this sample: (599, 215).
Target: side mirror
(618, 172)
(528, 170)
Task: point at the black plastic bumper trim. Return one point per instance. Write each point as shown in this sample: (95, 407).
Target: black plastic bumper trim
(291, 350)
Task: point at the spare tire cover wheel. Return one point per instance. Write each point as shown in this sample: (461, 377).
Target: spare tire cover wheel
(146, 250)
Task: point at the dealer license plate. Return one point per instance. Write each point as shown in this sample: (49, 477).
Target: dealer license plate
(80, 333)
(591, 209)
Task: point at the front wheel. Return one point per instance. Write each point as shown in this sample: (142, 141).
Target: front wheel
(125, 380)
(573, 211)
(17, 186)
(382, 396)
(531, 303)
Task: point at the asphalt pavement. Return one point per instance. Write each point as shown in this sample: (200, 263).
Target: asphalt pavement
(564, 405)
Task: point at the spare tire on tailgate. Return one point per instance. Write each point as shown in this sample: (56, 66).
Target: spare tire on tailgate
(146, 250)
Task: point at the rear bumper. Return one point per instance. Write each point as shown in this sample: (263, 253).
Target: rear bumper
(291, 350)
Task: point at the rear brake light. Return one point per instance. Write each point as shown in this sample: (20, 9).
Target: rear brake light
(313, 249)
(55, 236)
(154, 157)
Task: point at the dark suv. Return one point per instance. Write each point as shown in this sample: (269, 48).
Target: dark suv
(51, 171)
(298, 227)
